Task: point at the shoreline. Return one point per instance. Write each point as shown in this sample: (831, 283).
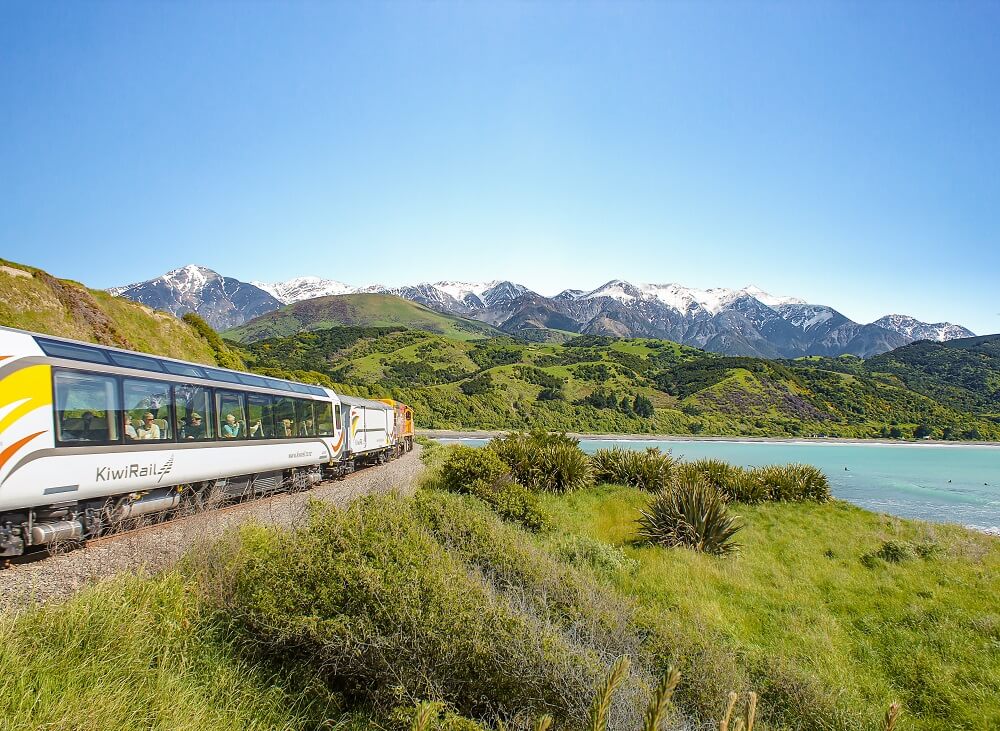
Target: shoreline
(489, 434)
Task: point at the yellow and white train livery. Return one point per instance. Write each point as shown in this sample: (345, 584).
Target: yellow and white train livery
(91, 436)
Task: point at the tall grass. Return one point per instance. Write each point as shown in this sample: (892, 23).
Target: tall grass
(140, 654)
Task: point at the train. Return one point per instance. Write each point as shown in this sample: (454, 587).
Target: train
(93, 437)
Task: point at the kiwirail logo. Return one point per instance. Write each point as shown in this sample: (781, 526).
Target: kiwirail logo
(134, 471)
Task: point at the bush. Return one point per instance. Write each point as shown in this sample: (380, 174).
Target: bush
(600, 556)
(512, 501)
(693, 514)
(715, 472)
(376, 606)
(467, 465)
(648, 470)
(745, 486)
(542, 461)
(794, 482)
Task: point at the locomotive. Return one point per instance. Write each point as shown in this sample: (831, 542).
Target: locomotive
(93, 436)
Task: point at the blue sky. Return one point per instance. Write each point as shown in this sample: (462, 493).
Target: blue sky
(847, 153)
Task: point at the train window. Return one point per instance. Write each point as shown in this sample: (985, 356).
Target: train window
(218, 375)
(56, 349)
(193, 405)
(324, 418)
(250, 380)
(86, 408)
(259, 411)
(299, 388)
(305, 424)
(337, 416)
(284, 416)
(182, 369)
(129, 360)
(232, 416)
(147, 407)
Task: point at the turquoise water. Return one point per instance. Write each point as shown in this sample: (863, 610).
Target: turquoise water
(950, 484)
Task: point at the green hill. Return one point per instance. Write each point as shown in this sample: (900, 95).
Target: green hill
(32, 299)
(600, 384)
(358, 310)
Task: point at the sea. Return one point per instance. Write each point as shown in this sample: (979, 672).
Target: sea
(936, 482)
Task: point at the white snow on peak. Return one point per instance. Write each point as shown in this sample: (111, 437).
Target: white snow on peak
(461, 290)
(303, 288)
(769, 299)
(616, 289)
(686, 299)
(190, 279)
(917, 330)
(806, 316)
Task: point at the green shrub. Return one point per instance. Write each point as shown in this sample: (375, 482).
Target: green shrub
(547, 462)
(693, 514)
(380, 608)
(467, 465)
(600, 556)
(512, 501)
(794, 482)
(715, 472)
(894, 552)
(746, 486)
(648, 470)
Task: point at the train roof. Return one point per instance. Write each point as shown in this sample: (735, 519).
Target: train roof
(358, 401)
(56, 347)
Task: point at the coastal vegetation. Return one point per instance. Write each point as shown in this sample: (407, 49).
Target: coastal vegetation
(602, 384)
(445, 611)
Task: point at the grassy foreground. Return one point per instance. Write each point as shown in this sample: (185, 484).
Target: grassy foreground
(357, 618)
(872, 607)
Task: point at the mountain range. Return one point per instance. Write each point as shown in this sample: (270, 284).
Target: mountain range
(746, 321)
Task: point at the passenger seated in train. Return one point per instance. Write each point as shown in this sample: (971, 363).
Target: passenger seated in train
(130, 432)
(194, 429)
(287, 427)
(231, 429)
(257, 430)
(306, 429)
(149, 429)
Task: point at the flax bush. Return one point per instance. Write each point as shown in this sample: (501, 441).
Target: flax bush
(650, 469)
(693, 514)
(547, 462)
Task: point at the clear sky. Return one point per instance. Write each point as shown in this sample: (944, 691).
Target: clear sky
(847, 153)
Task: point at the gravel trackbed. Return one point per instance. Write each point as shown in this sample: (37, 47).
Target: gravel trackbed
(155, 547)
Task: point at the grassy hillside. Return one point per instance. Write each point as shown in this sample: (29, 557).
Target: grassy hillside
(359, 310)
(601, 384)
(359, 618)
(31, 299)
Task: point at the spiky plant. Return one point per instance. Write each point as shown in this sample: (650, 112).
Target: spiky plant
(716, 472)
(692, 514)
(794, 482)
(602, 700)
(746, 486)
(656, 712)
(648, 470)
(892, 716)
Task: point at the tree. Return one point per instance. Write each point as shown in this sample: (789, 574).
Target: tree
(642, 406)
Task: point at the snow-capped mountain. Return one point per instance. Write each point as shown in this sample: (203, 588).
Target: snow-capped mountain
(224, 302)
(916, 330)
(303, 288)
(747, 321)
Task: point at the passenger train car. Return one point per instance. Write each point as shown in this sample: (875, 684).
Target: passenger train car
(91, 436)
